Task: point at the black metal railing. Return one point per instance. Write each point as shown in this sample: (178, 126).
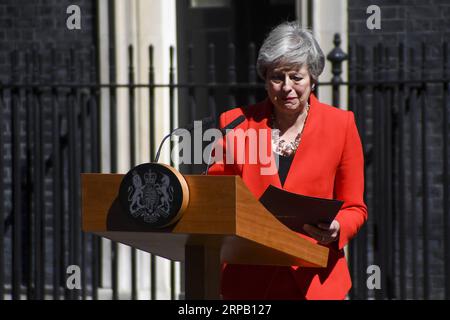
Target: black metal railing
(51, 131)
(405, 136)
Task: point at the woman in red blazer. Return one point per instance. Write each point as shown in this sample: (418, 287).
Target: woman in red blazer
(315, 150)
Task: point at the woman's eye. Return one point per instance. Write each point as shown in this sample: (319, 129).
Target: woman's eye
(277, 78)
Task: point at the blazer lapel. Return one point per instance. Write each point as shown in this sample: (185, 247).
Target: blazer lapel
(300, 162)
(258, 176)
(261, 175)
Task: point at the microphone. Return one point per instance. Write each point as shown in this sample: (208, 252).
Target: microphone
(233, 124)
(188, 127)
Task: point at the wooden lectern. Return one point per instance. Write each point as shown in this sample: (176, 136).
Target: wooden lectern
(223, 222)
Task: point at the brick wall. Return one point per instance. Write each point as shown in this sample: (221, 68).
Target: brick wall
(32, 28)
(42, 23)
(410, 23)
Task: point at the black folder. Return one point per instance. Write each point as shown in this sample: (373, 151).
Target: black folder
(295, 210)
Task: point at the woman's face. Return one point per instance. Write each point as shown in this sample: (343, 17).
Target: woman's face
(288, 88)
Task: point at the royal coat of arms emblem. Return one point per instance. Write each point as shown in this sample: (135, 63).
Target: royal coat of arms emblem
(152, 193)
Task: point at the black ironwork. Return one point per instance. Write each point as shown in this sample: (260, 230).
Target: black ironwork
(51, 128)
(336, 56)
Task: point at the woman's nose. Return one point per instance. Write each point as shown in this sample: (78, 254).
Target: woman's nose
(287, 84)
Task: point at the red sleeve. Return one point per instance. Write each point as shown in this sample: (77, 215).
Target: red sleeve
(349, 185)
(221, 167)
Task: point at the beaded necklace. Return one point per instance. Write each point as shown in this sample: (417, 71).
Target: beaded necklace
(280, 146)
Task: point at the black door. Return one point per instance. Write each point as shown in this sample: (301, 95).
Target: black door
(202, 23)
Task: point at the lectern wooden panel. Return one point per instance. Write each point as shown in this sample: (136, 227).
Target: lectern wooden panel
(222, 223)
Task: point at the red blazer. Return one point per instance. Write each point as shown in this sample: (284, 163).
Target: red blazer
(328, 163)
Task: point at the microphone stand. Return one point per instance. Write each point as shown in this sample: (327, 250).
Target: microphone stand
(189, 128)
(162, 143)
(233, 124)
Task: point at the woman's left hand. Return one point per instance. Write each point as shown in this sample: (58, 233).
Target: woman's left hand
(324, 233)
